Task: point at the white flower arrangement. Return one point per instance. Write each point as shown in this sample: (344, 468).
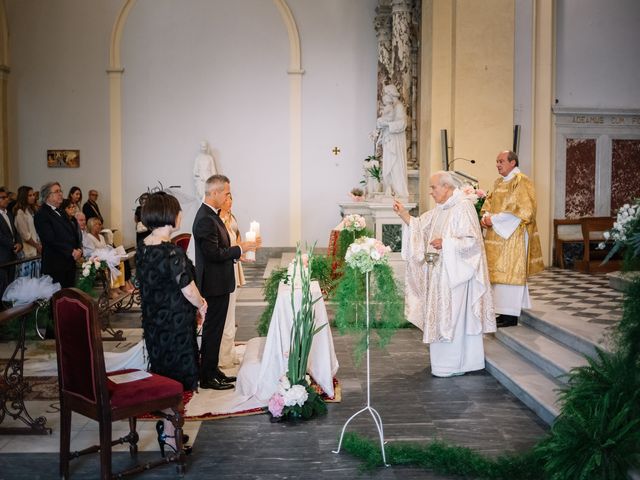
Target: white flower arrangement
(365, 253)
(354, 222)
(626, 229)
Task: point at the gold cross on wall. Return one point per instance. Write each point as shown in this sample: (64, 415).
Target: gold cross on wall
(335, 150)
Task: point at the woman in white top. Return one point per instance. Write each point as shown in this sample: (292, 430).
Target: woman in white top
(23, 212)
(93, 240)
(228, 356)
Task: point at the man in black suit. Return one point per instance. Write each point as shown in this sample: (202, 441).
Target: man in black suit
(10, 241)
(215, 277)
(61, 248)
(91, 208)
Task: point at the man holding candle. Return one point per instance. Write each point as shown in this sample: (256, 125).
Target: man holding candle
(215, 278)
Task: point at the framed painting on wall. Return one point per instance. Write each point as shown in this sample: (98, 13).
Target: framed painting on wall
(63, 158)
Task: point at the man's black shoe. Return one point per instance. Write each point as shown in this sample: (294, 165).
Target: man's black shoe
(221, 376)
(216, 384)
(506, 321)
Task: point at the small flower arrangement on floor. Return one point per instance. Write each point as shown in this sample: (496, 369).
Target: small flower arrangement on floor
(294, 397)
(296, 401)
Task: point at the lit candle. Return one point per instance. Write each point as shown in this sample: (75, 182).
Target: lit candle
(250, 237)
(255, 227)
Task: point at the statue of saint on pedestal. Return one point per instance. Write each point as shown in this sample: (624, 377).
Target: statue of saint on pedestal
(203, 168)
(391, 125)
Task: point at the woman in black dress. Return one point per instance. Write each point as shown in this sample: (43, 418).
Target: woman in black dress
(170, 300)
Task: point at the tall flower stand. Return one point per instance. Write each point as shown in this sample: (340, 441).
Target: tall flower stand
(368, 408)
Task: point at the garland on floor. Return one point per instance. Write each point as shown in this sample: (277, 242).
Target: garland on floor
(445, 459)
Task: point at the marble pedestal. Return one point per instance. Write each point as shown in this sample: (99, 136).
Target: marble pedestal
(380, 218)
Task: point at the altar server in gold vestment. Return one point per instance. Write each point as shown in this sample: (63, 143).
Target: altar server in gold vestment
(450, 301)
(512, 241)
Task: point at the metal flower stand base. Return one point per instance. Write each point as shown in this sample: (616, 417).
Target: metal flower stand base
(368, 408)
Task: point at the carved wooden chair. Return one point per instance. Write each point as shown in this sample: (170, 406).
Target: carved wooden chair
(86, 388)
(182, 240)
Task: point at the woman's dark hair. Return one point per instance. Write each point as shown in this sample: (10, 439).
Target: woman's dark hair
(73, 190)
(22, 200)
(159, 210)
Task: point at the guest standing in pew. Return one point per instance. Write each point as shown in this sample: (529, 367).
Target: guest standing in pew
(170, 300)
(24, 212)
(512, 241)
(75, 198)
(215, 259)
(10, 242)
(61, 247)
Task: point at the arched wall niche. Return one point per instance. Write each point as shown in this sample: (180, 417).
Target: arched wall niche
(116, 72)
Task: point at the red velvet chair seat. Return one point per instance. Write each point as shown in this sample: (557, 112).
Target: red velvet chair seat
(155, 387)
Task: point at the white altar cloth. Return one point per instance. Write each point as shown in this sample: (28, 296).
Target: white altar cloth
(265, 361)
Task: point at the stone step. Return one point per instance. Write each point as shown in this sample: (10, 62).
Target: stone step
(571, 331)
(550, 356)
(525, 380)
(272, 263)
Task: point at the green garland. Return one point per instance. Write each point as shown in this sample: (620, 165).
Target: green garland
(320, 271)
(444, 458)
(270, 294)
(346, 238)
(386, 307)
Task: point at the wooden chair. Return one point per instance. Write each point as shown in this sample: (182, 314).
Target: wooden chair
(567, 230)
(85, 388)
(182, 240)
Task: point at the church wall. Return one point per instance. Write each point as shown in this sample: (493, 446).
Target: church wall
(339, 105)
(471, 83)
(197, 70)
(221, 77)
(58, 91)
(597, 60)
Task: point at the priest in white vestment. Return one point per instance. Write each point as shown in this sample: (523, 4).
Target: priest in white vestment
(450, 301)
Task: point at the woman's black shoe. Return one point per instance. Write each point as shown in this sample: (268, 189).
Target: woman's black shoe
(162, 440)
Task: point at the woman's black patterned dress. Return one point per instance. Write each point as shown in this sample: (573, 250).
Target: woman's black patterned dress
(168, 319)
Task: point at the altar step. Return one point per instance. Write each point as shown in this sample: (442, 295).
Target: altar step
(532, 359)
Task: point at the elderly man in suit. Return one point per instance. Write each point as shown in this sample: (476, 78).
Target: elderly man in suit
(10, 242)
(215, 258)
(61, 247)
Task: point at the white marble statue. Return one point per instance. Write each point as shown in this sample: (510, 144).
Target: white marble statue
(391, 125)
(203, 168)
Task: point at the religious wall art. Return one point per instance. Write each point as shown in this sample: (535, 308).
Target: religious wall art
(63, 158)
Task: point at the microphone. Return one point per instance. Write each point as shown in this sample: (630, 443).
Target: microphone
(460, 158)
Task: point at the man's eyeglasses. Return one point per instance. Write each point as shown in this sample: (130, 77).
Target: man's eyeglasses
(3, 197)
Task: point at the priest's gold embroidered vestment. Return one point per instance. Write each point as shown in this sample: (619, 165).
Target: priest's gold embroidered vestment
(510, 262)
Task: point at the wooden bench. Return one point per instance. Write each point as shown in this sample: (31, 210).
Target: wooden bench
(586, 231)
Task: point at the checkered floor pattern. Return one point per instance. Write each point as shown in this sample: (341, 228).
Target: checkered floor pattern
(578, 294)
